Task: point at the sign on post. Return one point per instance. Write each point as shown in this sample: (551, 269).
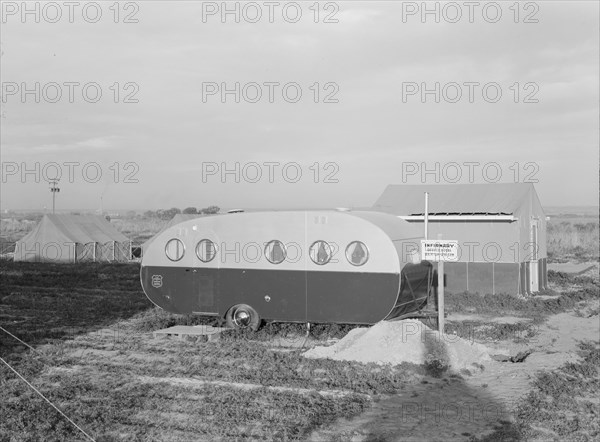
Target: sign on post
(439, 250)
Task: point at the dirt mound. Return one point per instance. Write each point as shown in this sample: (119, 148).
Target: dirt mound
(403, 341)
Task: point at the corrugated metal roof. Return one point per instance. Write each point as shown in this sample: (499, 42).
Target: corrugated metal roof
(455, 199)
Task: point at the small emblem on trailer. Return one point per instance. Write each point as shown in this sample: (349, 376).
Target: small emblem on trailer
(157, 281)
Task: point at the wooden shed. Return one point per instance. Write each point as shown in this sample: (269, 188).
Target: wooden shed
(500, 228)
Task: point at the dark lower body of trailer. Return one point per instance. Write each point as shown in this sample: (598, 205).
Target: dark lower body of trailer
(289, 296)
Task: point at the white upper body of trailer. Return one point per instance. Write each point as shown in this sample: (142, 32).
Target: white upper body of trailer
(240, 240)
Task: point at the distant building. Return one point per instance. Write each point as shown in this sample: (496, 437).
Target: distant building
(500, 228)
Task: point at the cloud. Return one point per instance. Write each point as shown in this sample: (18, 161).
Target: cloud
(368, 56)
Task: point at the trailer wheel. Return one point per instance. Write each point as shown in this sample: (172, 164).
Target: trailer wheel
(242, 316)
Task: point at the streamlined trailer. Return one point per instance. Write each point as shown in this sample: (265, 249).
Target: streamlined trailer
(293, 266)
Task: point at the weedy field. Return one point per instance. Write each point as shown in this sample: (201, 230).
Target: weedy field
(55, 301)
(94, 358)
(572, 240)
(93, 355)
(563, 403)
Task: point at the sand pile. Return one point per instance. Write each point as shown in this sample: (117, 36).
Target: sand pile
(403, 341)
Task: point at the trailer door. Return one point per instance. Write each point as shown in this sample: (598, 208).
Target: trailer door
(205, 277)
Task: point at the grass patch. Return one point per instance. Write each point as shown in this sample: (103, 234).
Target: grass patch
(121, 408)
(96, 360)
(572, 241)
(103, 384)
(533, 307)
(41, 302)
(520, 332)
(563, 404)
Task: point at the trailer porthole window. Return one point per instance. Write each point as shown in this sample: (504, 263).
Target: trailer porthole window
(320, 252)
(275, 252)
(357, 253)
(175, 249)
(206, 250)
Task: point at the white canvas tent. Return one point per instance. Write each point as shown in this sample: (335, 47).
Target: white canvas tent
(73, 238)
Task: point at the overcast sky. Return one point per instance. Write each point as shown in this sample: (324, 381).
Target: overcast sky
(372, 60)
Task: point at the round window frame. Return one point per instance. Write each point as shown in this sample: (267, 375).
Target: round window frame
(214, 248)
(330, 252)
(167, 248)
(283, 247)
(366, 248)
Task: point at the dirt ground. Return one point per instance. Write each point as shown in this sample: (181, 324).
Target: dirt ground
(457, 406)
(473, 405)
(456, 409)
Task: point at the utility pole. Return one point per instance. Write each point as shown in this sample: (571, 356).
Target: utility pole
(54, 189)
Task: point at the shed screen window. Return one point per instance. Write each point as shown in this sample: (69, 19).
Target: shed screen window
(206, 250)
(357, 253)
(320, 252)
(275, 252)
(174, 249)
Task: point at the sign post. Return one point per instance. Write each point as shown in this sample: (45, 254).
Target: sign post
(441, 318)
(426, 217)
(439, 250)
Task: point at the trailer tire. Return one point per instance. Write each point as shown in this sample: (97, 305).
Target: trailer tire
(242, 316)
